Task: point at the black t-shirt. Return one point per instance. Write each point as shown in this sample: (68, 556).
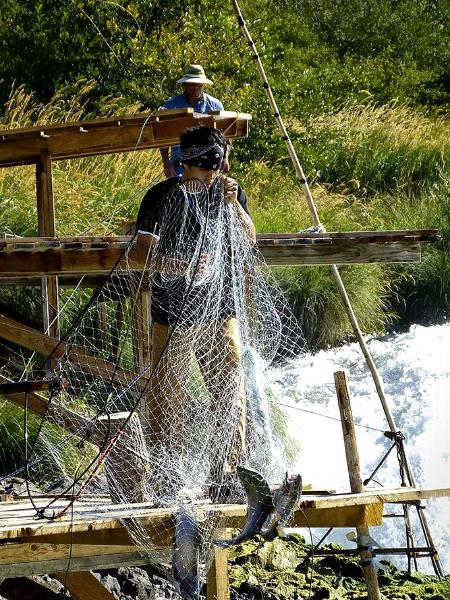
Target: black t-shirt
(165, 212)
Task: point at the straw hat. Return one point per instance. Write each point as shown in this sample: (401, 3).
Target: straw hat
(194, 74)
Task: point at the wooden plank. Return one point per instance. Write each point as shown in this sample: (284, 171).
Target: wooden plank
(9, 242)
(87, 563)
(17, 521)
(141, 331)
(279, 255)
(59, 261)
(373, 496)
(421, 235)
(343, 516)
(33, 552)
(104, 136)
(20, 387)
(424, 235)
(90, 281)
(50, 306)
(46, 227)
(23, 263)
(44, 195)
(83, 585)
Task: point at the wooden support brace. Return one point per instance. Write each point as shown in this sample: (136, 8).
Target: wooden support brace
(83, 585)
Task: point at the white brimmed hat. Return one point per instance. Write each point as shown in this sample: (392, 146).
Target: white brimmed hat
(194, 74)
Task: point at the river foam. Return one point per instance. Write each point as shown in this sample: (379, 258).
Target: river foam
(415, 369)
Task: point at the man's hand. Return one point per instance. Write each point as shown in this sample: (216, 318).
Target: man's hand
(230, 189)
(230, 192)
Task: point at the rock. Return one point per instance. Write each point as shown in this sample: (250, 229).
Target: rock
(278, 555)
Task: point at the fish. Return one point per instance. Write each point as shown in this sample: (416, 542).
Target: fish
(186, 556)
(260, 506)
(284, 500)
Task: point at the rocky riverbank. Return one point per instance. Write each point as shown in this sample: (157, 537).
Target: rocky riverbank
(283, 570)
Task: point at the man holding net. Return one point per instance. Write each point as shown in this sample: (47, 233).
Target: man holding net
(195, 408)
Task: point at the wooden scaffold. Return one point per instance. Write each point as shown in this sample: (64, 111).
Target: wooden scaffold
(92, 535)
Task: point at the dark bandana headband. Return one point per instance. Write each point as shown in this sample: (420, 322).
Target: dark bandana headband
(205, 157)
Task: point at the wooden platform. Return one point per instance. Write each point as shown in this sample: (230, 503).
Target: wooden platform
(113, 134)
(25, 260)
(93, 534)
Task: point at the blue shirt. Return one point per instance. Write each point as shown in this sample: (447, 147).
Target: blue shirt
(206, 104)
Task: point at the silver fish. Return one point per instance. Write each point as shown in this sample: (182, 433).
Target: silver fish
(284, 499)
(186, 555)
(260, 506)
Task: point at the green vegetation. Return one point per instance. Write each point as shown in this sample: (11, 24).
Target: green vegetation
(363, 88)
(281, 570)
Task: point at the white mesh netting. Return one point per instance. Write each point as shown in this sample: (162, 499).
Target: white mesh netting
(161, 388)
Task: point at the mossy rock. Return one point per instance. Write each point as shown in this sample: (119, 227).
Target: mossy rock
(266, 569)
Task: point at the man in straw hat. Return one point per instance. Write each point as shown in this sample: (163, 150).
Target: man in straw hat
(193, 82)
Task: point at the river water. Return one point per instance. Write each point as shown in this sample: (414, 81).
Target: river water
(415, 369)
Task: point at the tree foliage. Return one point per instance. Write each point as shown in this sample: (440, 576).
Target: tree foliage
(320, 56)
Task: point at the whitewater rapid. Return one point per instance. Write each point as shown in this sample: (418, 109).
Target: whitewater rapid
(415, 370)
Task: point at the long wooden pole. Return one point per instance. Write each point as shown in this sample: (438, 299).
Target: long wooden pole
(356, 486)
(334, 270)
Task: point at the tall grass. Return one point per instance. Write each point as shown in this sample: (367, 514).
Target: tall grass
(94, 195)
(370, 149)
(370, 168)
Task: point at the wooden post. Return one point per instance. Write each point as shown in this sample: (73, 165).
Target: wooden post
(356, 486)
(46, 228)
(218, 585)
(141, 330)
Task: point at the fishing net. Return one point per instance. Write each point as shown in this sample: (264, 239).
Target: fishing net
(160, 379)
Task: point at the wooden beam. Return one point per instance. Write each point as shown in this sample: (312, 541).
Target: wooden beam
(348, 516)
(88, 563)
(218, 583)
(110, 135)
(18, 519)
(98, 538)
(32, 339)
(40, 260)
(44, 195)
(60, 261)
(278, 256)
(21, 387)
(35, 552)
(83, 585)
(46, 227)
